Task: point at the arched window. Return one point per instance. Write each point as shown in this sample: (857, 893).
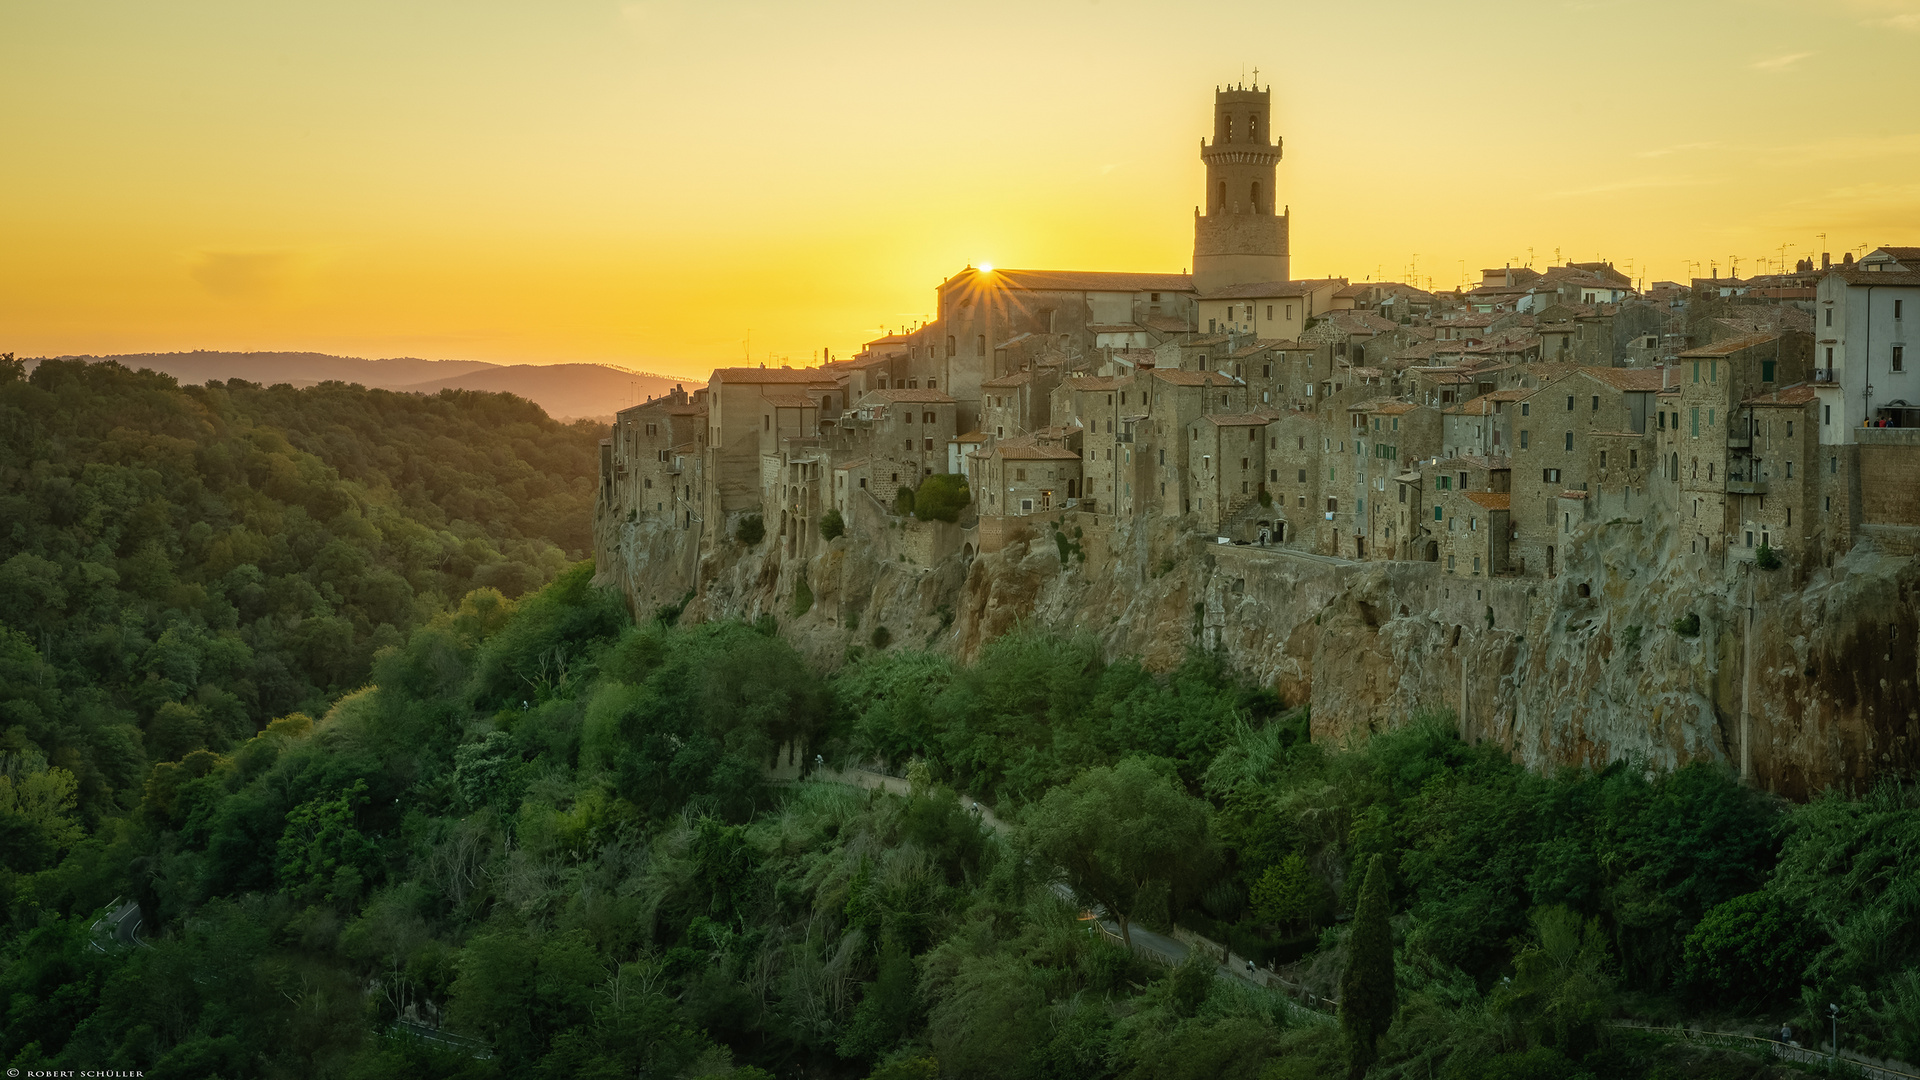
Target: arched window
(1226, 125)
(1223, 197)
(1253, 128)
(1255, 199)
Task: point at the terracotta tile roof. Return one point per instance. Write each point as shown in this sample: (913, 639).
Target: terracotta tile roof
(973, 436)
(890, 339)
(1795, 395)
(1515, 394)
(1260, 345)
(1254, 419)
(1074, 281)
(752, 375)
(1182, 377)
(925, 397)
(1116, 328)
(791, 401)
(1480, 406)
(1261, 290)
(1491, 500)
(1630, 379)
(1097, 382)
(1879, 277)
(1025, 448)
(1167, 324)
(850, 463)
(1396, 408)
(1007, 382)
(1745, 341)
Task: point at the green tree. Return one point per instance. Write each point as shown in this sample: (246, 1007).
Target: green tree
(323, 853)
(1288, 892)
(1368, 993)
(1752, 949)
(941, 497)
(832, 526)
(1118, 834)
(1560, 988)
(751, 530)
(903, 501)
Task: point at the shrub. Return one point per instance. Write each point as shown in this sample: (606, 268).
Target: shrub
(1766, 558)
(1751, 949)
(832, 526)
(942, 497)
(1687, 625)
(1630, 638)
(903, 501)
(751, 530)
(882, 637)
(802, 598)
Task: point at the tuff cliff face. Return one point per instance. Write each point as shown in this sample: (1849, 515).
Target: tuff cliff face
(1808, 683)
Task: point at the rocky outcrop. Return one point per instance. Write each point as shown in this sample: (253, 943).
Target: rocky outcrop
(1806, 680)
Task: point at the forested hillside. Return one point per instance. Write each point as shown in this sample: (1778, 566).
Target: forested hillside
(542, 843)
(180, 565)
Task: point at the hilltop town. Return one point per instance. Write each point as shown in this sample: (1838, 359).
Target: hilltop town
(1738, 424)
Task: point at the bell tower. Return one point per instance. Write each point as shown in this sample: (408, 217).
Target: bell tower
(1238, 237)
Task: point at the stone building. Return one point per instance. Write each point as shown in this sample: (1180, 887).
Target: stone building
(1242, 236)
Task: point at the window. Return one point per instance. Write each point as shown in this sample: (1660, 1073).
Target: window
(1789, 429)
(1896, 307)
(1696, 421)
(1663, 420)
(1789, 470)
(1603, 459)
(1163, 457)
(1829, 413)
(1255, 198)
(932, 384)
(1829, 323)
(1899, 358)
(1549, 476)
(1019, 474)
(1596, 403)
(1713, 371)
(1569, 402)
(1290, 316)
(1526, 407)
(1437, 512)
(1633, 459)
(1833, 466)
(766, 423)
(1333, 506)
(1696, 371)
(1403, 493)
(1442, 483)
(1569, 440)
(929, 443)
(1269, 312)
(1829, 356)
(980, 345)
(952, 349)
(1766, 371)
(1709, 417)
(1523, 439)
(1303, 476)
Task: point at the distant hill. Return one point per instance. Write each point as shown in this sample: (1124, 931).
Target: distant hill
(565, 391)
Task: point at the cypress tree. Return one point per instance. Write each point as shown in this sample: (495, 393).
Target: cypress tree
(1367, 992)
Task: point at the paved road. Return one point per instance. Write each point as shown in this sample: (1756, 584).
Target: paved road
(122, 924)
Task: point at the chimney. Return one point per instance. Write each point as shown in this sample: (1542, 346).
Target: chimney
(1846, 258)
(1826, 260)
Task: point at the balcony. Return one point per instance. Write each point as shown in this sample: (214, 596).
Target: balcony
(1737, 486)
(1823, 375)
(1742, 441)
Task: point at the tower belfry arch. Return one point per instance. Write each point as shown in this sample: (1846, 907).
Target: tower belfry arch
(1241, 235)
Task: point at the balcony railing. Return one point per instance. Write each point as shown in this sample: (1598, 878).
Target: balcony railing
(1823, 375)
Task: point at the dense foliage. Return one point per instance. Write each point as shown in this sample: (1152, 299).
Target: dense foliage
(514, 834)
(179, 565)
(547, 838)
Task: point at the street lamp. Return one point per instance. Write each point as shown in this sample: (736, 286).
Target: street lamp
(1834, 1012)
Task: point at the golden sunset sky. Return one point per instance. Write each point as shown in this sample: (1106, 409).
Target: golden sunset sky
(658, 184)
